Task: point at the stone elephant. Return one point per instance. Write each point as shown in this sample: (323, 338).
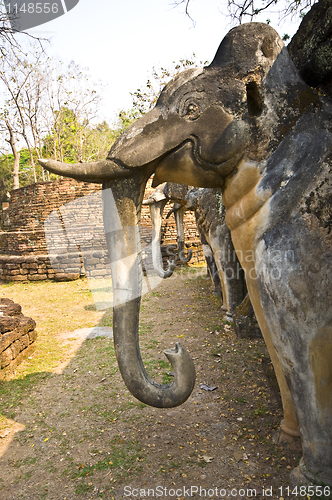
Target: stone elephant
(249, 124)
(218, 249)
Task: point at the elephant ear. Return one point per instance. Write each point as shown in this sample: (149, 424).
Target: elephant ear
(248, 46)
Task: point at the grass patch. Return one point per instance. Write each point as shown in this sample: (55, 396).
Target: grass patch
(56, 308)
(123, 458)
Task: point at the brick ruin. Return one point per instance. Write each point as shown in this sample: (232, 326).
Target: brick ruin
(54, 230)
(17, 335)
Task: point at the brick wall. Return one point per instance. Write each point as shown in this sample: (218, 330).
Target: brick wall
(54, 230)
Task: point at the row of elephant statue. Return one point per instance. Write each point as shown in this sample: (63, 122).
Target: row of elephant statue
(223, 265)
(249, 125)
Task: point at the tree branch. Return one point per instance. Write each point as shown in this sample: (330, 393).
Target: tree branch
(239, 9)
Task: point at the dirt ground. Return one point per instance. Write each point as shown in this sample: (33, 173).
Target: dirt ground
(77, 432)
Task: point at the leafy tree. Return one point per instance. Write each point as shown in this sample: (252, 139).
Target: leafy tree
(70, 111)
(6, 176)
(96, 139)
(145, 98)
(46, 101)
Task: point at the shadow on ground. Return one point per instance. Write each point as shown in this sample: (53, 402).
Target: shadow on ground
(78, 433)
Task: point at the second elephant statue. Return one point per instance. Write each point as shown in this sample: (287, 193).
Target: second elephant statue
(217, 245)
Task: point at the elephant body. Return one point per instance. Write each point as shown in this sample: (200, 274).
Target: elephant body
(247, 124)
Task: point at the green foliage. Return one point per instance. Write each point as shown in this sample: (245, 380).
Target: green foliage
(6, 175)
(145, 98)
(26, 172)
(73, 140)
(126, 118)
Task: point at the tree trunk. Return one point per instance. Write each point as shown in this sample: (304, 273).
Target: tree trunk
(16, 155)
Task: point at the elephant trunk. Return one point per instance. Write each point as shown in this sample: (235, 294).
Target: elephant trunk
(122, 201)
(156, 212)
(178, 214)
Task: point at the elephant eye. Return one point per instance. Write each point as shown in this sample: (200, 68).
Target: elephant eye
(190, 110)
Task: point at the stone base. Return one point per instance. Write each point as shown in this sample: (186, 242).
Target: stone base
(26, 353)
(246, 325)
(300, 476)
(66, 276)
(17, 336)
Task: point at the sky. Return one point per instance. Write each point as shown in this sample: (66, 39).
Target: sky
(121, 41)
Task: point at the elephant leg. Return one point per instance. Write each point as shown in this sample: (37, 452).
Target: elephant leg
(289, 423)
(178, 214)
(211, 265)
(229, 269)
(244, 243)
(294, 282)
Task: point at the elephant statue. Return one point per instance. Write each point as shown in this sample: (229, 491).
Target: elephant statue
(215, 236)
(157, 202)
(249, 124)
(179, 210)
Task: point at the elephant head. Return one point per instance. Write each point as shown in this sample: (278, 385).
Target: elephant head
(202, 127)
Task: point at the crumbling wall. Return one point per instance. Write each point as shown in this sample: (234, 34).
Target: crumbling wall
(72, 243)
(17, 335)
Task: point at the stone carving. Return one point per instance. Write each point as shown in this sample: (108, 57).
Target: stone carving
(250, 125)
(215, 236)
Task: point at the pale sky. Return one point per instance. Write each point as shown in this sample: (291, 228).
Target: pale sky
(120, 41)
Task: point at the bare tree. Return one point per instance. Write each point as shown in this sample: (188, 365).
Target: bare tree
(12, 142)
(16, 70)
(244, 10)
(145, 98)
(72, 106)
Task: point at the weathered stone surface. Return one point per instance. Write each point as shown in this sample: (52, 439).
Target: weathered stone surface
(8, 323)
(6, 357)
(269, 372)
(9, 308)
(31, 205)
(32, 336)
(38, 277)
(27, 352)
(27, 324)
(16, 348)
(223, 264)
(246, 325)
(66, 277)
(6, 339)
(17, 335)
(24, 341)
(311, 46)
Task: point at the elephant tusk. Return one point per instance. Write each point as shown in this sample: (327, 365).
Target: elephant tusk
(98, 171)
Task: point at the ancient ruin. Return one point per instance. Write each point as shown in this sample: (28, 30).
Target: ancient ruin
(17, 335)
